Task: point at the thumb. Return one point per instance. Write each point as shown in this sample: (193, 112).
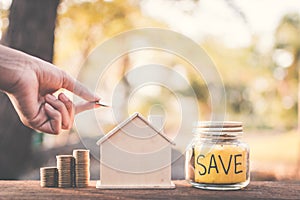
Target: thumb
(83, 106)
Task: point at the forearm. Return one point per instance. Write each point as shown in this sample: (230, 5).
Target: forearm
(12, 65)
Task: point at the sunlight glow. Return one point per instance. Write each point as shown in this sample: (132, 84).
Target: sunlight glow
(283, 58)
(5, 4)
(217, 19)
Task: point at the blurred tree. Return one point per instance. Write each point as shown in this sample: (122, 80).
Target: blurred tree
(4, 11)
(288, 46)
(286, 55)
(31, 29)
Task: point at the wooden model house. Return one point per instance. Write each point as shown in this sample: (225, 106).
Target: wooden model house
(135, 154)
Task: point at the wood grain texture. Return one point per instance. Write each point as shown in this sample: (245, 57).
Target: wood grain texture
(256, 190)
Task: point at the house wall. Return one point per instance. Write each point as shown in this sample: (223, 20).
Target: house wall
(122, 168)
(135, 155)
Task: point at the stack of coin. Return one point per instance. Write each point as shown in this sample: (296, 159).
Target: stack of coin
(82, 167)
(48, 176)
(66, 171)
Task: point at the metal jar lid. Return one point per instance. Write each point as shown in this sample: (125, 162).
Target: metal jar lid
(229, 128)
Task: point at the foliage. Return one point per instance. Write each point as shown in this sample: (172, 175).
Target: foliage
(261, 87)
(82, 25)
(259, 92)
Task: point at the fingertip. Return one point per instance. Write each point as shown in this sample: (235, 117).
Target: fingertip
(55, 119)
(63, 97)
(97, 105)
(83, 106)
(67, 125)
(50, 97)
(48, 107)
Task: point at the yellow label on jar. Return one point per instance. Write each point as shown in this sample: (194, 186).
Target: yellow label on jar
(222, 164)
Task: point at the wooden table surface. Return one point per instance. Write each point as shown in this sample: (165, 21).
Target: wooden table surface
(256, 190)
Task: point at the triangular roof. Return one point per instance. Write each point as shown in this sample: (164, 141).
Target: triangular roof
(118, 127)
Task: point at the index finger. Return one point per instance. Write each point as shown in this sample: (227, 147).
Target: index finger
(83, 106)
(78, 88)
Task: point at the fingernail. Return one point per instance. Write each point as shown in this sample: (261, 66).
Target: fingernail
(51, 97)
(63, 97)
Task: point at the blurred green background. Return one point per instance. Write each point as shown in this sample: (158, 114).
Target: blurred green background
(255, 46)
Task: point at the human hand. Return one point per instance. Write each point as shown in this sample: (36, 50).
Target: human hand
(30, 83)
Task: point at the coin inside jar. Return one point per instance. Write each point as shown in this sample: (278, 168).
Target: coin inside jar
(216, 158)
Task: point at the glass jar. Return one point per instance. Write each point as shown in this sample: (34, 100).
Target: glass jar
(216, 159)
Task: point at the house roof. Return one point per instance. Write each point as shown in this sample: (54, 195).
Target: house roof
(118, 127)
